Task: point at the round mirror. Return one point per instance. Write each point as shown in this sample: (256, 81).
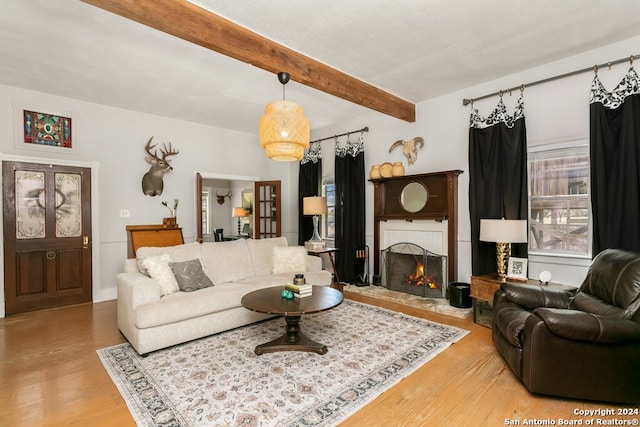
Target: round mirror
(414, 196)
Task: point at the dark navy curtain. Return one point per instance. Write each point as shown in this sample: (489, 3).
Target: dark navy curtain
(350, 207)
(497, 178)
(309, 181)
(615, 164)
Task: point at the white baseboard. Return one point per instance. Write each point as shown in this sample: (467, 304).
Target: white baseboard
(105, 295)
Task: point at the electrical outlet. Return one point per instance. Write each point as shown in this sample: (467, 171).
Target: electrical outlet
(125, 213)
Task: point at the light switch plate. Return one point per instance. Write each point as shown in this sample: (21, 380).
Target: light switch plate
(125, 213)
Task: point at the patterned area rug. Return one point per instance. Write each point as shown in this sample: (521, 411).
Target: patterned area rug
(219, 381)
(437, 305)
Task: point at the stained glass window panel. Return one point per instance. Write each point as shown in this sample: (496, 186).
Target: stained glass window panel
(47, 129)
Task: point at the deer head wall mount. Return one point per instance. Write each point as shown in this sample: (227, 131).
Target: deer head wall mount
(152, 183)
(222, 196)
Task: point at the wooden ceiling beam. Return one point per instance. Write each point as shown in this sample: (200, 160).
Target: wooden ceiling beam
(194, 24)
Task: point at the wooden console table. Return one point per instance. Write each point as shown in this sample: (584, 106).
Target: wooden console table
(484, 286)
(329, 251)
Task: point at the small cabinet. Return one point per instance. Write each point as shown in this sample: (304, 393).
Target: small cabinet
(484, 286)
(151, 235)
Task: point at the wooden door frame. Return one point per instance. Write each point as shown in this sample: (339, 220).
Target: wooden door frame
(95, 237)
(199, 176)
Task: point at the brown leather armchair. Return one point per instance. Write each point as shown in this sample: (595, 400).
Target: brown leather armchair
(584, 345)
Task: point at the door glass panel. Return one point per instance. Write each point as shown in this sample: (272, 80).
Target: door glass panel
(68, 205)
(30, 203)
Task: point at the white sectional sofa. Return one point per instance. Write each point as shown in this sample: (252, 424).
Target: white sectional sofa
(152, 317)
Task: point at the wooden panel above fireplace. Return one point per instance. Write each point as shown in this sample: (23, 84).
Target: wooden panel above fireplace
(442, 204)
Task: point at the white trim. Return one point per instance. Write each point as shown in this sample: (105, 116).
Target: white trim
(19, 107)
(559, 259)
(100, 295)
(97, 293)
(213, 175)
(559, 145)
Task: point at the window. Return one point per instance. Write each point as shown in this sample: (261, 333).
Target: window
(329, 220)
(559, 204)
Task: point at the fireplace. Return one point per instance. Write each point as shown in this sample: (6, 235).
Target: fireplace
(409, 268)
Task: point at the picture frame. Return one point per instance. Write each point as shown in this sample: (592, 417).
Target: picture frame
(48, 129)
(517, 268)
(247, 200)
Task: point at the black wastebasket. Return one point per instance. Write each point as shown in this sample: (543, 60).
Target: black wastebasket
(459, 295)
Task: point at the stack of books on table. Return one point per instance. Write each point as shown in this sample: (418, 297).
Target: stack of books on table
(300, 291)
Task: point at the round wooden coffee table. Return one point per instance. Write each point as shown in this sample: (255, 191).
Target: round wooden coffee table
(270, 301)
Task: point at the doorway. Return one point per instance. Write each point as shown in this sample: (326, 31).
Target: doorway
(212, 215)
(47, 236)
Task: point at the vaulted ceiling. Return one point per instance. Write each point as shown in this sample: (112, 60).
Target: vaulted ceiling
(406, 51)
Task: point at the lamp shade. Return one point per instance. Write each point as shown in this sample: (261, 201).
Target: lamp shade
(314, 205)
(503, 230)
(240, 212)
(284, 131)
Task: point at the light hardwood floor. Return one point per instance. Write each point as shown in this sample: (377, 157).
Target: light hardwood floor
(51, 376)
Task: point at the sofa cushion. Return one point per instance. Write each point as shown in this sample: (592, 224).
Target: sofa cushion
(181, 306)
(614, 277)
(190, 276)
(226, 261)
(581, 326)
(290, 259)
(261, 252)
(591, 304)
(159, 270)
(177, 253)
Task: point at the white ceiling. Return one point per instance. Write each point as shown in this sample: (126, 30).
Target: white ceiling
(416, 49)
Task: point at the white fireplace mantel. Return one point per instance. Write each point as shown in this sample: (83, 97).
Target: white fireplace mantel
(428, 234)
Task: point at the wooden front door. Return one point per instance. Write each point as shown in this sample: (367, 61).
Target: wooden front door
(47, 236)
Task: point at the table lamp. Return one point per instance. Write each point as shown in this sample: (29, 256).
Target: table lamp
(315, 206)
(504, 232)
(240, 213)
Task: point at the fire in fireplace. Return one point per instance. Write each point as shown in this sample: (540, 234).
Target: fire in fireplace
(409, 268)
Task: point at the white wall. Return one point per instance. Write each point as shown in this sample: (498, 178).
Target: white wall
(113, 140)
(555, 111)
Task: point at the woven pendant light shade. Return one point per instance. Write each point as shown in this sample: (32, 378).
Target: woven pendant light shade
(284, 131)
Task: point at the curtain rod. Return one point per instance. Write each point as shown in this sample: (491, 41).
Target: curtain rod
(466, 101)
(364, 129)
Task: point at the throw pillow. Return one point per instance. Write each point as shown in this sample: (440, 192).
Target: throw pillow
(159, 270)
(289, 259)
(190, 276)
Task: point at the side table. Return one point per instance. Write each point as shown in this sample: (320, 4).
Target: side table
(329, 251)
(484, 286)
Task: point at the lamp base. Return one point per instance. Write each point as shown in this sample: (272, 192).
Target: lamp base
(503, 252)
(315, 245)
(316, 242)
